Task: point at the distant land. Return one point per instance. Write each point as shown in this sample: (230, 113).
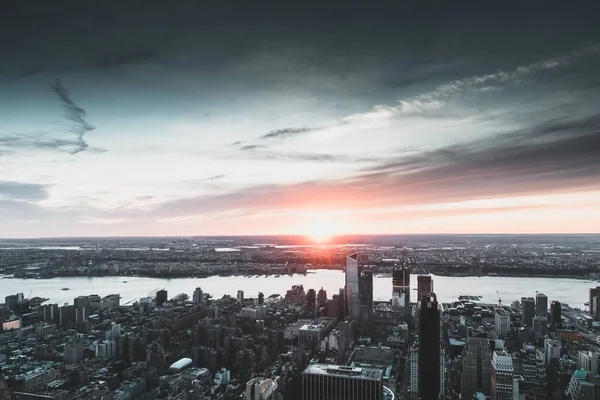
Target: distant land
(575, 256)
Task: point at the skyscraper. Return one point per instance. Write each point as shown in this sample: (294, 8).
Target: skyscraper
(556, 314)
(401, 289)
(527, 311)
(501, 323)
(594, 302)
(352, 289)
(311, 300)
(424, 286)
(240, 296)
(502, 376)
(198, 296)
(322, 298)
(541, 305)
(429, 348)
(161, 297)
(477, 361)
(365, 290)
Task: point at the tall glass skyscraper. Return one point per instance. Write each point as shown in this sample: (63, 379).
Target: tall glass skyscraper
(352, 286)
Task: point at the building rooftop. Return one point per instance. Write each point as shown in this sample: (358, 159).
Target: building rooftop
(580, 374)
(380, 356)
(366, 373)
(178, 365)
(310, 327)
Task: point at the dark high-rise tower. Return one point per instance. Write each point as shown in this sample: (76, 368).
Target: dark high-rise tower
(424, 286)
(556, 314)
(311, 300)
(594, 305)
(541, 305)
(365, 289)
(527, 311)
(429, 348)
(322, 298)
(161, 297)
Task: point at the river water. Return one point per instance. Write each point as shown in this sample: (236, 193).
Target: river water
(571, 291)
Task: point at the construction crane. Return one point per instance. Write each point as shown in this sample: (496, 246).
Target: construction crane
(499, 300)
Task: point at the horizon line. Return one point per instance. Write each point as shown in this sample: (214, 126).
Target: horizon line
(293, 235)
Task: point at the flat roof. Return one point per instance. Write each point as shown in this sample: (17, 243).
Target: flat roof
(382, 356)
(311, 327)
(365, 373)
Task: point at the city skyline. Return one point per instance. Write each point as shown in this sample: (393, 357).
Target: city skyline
(300, 119)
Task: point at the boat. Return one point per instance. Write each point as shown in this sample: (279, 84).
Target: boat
(124, 281)
(586, 303)
(65, 288)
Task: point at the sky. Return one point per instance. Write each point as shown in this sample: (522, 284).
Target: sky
(186, 118)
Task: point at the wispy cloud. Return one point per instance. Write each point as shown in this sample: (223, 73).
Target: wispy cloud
(287, 133)
(35, 141)
(75, 114)
(261, 152)
(248, 147)
(22, 191)
(299, 156)
(438, 97)
(214, 177)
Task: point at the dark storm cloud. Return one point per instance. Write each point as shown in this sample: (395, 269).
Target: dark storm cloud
(75, 114)
(10, 191)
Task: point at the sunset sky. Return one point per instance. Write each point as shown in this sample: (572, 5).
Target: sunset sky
(178, 119)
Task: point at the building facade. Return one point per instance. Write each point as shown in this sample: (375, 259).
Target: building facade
(365, 292)
(502, 323)
(502, 376)
(477, 363)
(588, 360)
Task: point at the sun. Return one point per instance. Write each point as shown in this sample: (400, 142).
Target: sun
(320, 231)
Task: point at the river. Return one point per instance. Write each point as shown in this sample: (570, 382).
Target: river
(571, 291)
